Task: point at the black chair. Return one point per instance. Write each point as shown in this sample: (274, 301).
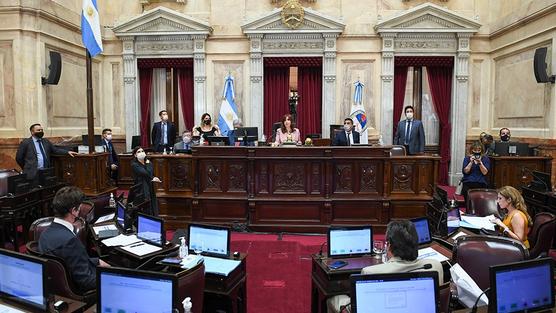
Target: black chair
(397, 151)
(541, 235)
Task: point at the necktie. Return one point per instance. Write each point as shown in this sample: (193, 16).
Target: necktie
(407, 128)
(349, 139)
(163, 137)
(45, 160)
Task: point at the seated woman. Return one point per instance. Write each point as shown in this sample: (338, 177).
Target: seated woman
(287, 133)
(475, 169)
(517, 222)
(206, 128)
(143, 174)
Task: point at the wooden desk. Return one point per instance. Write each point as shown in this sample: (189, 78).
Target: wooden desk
(326, 283)
(227, 293)
(538, 201)
(516, 171)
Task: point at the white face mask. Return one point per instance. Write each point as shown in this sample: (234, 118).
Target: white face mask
(109, 137)
(186, 139)
(409, 115)
(347, 128)
(141, 155)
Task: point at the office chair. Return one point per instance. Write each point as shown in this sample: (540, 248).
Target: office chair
(397, 151)
(482, 202)
(541, 234)
(40, 225)
(192, 284)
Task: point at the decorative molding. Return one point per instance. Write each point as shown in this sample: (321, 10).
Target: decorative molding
(403, 174)
(386, 78)
(289, 177)
(424, 44)
(238, 179)
(213, 177)
(344, 176)
(292, 45)
(368, 177)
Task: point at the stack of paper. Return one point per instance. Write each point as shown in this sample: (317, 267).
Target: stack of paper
(430, 253)
(97, 229)
(105, 218)
(477, 222)
(141, 248)
(121, 240)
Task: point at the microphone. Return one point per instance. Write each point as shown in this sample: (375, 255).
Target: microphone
(427, 266)
(320, 250)
(474, 309)
(524, 168)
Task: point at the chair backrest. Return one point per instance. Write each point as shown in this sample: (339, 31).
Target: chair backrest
(445, 295)
(87, 211)
(482, 202)
(41, 224)
(541, 235)
(275, 127)
(397, 151)
(192, 284)
(475, 254)
(101, 204)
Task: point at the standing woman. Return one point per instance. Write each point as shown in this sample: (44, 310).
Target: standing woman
(287, 132)
(517, 222)
(475, 169)
(143, 174)
(206, 128)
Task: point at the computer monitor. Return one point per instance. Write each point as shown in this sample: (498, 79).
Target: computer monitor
(47, 177)
(135, 195)
(130, 290)
(150, 229)
(212, 240)
(350, 240)
(218, 140)
(505, 148)
(526, 286)
(97, 140)
(522, 149)
(22, 279)
(453, 220)
(423, 230)
(415, 292)
(18, 184)
(252, 134)
(120, 215)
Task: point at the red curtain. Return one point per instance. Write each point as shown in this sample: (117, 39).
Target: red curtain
(145, 90)
(276, 95)
(185, 85)
(400, 79)
(309, 88)
(165, 63)
(440, 83)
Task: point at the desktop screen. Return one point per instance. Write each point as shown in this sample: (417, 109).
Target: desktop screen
(396, 295)
(22, 279)
(523, 287)
(132, 292)
(120, 214)
(423, 231)
(150, 229)
(210, 239)
(453, 220)
(350, 241)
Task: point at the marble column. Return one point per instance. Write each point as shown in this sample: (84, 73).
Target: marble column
(387, 86)
(329, 84)
(256, 107)
(131, 91)
(200, 76)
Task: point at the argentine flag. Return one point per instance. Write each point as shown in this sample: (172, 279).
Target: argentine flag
(228, 108)
(90, 27)
(358, 114)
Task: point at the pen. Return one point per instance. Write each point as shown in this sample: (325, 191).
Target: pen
(136, 245)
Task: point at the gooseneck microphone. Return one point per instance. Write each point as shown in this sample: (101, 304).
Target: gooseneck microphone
(427, 266)
(474, 309)
(320, 250)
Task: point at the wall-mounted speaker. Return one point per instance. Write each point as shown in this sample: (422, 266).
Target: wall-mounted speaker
(540, 67)
(54, 69)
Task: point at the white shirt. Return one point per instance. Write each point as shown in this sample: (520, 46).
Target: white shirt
(350, 137)
(65, 223)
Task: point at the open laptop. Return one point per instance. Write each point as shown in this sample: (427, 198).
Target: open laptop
(129, 290)
(150, 229)
(415, 292)
(210, 239)
(350, 241)
(526, 286)
(22, 280)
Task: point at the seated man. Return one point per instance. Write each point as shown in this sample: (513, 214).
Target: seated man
(347, 137)
(186, 143)
(402, 257)
(60, 240)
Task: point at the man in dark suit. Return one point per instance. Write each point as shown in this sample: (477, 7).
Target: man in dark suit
(410, 133)
(113, 161)
(60, 240)
(347, 137)
(163, 134)
(34, 153)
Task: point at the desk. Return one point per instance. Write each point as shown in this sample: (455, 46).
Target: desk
(326, 282)
(73, 305)
(21, 209)
(516, 171)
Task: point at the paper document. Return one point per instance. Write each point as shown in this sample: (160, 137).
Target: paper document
(97, 229)
(459, 234)
(121, 240)
(8, 309)
(191, 260)
(141, 248)
(105, 218)
(430, 253)
(220, 266)
(477, 222)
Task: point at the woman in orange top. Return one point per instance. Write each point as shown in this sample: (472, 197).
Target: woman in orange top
(516, 224)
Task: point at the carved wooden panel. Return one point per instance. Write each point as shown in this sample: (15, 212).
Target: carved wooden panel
(263, 178)
(289, 177)
(316, 177)
(368, 177)
(403, 177)
(180, 173)
(68, 173)
(343, 178)
(237, 177)
(212, 175)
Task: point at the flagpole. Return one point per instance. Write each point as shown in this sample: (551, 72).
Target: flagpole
(90, 114)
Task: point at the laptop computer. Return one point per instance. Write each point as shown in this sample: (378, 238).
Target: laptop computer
(423, 230)
(150, 229)
(212, 240)
(453, 220)
(526, 286)
(415, 292)
(350, 241)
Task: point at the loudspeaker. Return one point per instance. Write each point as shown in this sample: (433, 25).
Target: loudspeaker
(539, 66)
(55, 69)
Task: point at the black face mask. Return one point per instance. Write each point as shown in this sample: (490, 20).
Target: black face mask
(505, 137)
(477, 155)
(38, 134)
(207, 122)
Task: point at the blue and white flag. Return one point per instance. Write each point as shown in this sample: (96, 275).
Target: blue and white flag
(90, 27)
(358, 114)
(228, 108)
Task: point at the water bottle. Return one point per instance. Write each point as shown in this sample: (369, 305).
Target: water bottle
(183, 252)
(164, 152)
(187, 305)
(263, 138)
(380, 141)
(112, 202)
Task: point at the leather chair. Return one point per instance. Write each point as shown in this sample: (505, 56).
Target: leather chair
(475, 254)
(541, 234)
(397, 151)
(482, 202)
(192, 284)
(40, 225)
(58, 278)
(445, 295)
(101, 204)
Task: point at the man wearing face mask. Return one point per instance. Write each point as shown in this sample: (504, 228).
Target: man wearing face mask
(475, 169)
(505, 134)
(163, 133)
(113, 161)
(35, 152)
(347, 137)
(60, 240)
(185, 144)
(410, 133)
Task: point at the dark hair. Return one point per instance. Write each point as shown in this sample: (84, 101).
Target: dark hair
(476, 145)
(33, 126)
(506, 128)
(160, 113)
(402, 239)
(283, 126)
(348, 119)
(134, 151)
(203, 117)
(408, 107)
(104, 131)
(66, 199)
(185, 131)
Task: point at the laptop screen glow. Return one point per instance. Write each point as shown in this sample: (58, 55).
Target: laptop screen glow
(350, 241)
(22, 280)
(209, 240)
(423, 232)
(149, 230)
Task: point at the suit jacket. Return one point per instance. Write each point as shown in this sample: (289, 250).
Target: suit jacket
(179, 145)
(156, 135)
(59, 241)
(112, 156)
(416, 137)
(341, 138)
(26, 155)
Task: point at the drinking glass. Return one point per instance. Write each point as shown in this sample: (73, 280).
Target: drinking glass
(198, 249)
(378, 248)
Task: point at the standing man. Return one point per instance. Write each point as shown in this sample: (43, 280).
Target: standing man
(34, 153)
(348, 137)
(163, 133)
(410, 133)
(113, 161)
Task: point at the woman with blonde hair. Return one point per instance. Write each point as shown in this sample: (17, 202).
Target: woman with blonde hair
(517, 222)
